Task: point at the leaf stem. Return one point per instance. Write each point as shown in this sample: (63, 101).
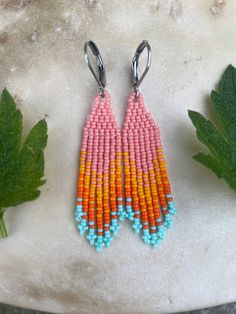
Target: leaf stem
(3, 229)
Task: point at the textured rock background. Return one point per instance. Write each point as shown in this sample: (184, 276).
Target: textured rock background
(44, 264)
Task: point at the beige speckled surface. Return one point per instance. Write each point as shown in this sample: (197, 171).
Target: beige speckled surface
(44, 264)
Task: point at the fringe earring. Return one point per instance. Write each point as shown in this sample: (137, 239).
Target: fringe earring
(99, 194)
(149, 202)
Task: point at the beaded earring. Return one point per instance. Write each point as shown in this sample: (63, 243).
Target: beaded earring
(99, 194)
(149, 202)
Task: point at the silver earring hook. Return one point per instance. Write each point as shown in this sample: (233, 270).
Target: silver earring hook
(136, 80)
(101, 77)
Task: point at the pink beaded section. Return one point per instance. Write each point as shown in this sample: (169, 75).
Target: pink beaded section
(99, 190)
(149, 202)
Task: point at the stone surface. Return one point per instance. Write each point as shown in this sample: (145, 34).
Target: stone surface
(45, 264)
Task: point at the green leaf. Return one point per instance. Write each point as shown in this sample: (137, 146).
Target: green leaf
(220, 143)
(21, 163)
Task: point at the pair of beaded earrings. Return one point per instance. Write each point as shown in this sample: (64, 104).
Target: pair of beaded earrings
(148, 199)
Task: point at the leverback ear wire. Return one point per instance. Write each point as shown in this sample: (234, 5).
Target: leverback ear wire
(135, 77)
(101, 77)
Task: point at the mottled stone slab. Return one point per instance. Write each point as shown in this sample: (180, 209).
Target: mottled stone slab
(45, 264)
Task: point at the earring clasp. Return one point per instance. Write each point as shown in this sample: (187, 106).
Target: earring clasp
(136, 80)
(101, 77)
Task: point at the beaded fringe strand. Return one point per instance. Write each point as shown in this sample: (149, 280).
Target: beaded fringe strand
(149, 202)
(99, 194)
